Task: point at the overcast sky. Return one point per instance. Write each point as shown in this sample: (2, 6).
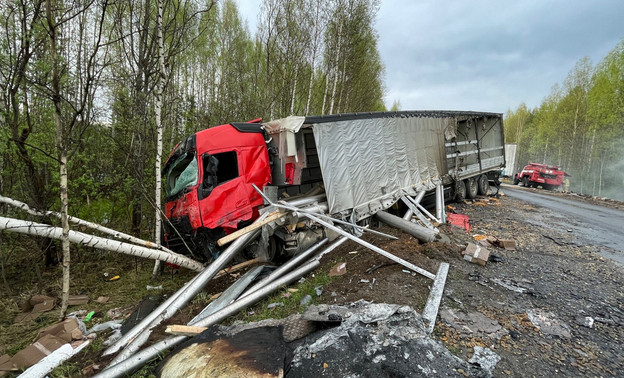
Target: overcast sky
(484, 55)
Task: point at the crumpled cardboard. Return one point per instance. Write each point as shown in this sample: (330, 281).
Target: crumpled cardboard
(36, 351)
(49, 339)
(34, 306)
(63, 330)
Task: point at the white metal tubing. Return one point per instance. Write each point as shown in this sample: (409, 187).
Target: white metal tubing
(293, 262)
(427, 213)
(438, 202)
(184, 295)
(306, 200)
(319, 214)
(370, 246)
(142, 357)
(45, 230)
(430, 311)
(421, 233)
(288, 206)
(416, 212)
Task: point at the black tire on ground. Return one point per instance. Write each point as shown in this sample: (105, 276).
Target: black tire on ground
(460, 191)
(516, 181)
(472, 188)
(484, 185)
(525, 182)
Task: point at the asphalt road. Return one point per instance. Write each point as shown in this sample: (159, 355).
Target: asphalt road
(591, 223)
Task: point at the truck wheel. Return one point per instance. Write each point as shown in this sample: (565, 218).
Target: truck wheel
(484, 185)
(525, 182)
(460, 191)
(516, 181)
(472, 188)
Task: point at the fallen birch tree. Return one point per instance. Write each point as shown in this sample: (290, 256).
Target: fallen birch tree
(84, 223)
(40, 229)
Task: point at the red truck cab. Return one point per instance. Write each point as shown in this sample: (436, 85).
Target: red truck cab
(208, 190)
(549, 177)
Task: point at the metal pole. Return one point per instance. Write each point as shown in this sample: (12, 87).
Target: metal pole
(306, 200)
(293, 262)
(417, 199)
(372, 247)
(183, 296)
(318, 214)
(421, 233)
(142, 357)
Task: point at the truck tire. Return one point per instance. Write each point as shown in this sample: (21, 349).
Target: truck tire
(472, 188)
(525, 181)
(516, 181)
(484, 185)
(460, 191)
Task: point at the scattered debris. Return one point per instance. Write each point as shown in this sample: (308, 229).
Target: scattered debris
(34, 306)
(305, 300)
(508, 284)
(486, 358)
(476, 254)
(149, 287)
(102, 299)
(548, 323)
(54, 359)
(374, 268)
(338, 270)
(75, 300)
(473, 323)
(372, 340)
(585, 321)
(275, 304)
(48, 340)
(459, 220)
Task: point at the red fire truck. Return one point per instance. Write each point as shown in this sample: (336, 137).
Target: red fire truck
(549, 177)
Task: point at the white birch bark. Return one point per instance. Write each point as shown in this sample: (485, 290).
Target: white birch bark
(83, 223)
(62, 151)
(159, 130)
(40, 229)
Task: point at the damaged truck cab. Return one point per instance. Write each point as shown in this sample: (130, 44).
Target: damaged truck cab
(360, 164)
(208, 190)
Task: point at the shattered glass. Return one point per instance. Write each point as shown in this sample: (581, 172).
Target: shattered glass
(181, 174)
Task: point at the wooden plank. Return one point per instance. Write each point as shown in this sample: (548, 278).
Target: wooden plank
(234, 268)
(235, 235)
(183, 330)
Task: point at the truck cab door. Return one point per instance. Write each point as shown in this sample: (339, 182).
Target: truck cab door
(222, 195)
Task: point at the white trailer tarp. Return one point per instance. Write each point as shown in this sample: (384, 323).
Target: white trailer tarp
(369, 163)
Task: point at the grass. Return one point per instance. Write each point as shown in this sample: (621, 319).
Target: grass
(259, 311)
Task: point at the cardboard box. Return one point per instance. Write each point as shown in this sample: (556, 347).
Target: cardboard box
(75, 300)
(476, 254)
(62, 330)
(508, 244)
(36, 351)
(34, 306)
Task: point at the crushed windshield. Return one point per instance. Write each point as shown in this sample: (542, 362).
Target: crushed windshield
(181, 174)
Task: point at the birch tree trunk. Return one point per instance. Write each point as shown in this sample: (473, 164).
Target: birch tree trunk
(40, 229)
(60, 145)
(159, 130)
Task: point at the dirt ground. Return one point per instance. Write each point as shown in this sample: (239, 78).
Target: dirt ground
(550, 277)
(557, 277)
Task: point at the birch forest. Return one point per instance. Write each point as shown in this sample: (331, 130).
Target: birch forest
(89, 87)
(578, 126)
